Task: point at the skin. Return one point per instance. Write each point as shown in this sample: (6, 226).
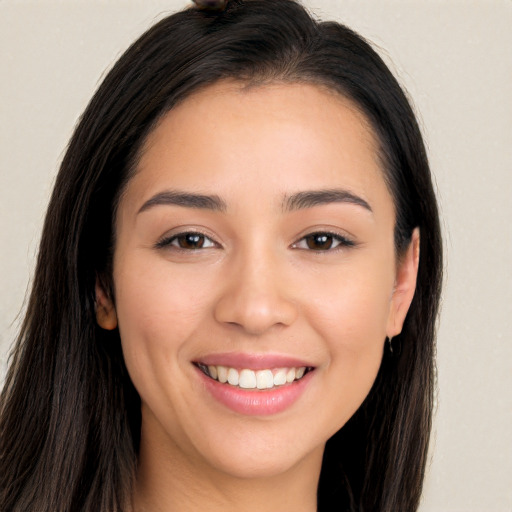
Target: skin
(254, 287)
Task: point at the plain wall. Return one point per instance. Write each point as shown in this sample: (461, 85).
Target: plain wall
(454, 58)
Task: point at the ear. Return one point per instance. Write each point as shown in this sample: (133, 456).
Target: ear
(405, 285)
(106, 315)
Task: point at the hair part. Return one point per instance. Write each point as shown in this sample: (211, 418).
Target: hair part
(69, 414)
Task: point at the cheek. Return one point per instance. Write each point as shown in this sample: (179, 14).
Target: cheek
(353, 326)
(349, 313)
(158, 312)
(350, 306)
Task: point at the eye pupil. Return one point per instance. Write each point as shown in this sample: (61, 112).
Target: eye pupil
(319, 241)
(191, 241)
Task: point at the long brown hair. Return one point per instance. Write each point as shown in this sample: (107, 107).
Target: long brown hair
(69, 415)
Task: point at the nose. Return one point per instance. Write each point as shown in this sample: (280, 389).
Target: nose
(256, 297)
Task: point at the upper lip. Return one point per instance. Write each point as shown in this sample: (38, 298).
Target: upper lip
(253, 361)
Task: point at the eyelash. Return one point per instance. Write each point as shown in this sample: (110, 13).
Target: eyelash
(168, 241)
(339, 241)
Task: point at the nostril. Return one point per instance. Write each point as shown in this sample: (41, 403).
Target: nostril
(254, 312)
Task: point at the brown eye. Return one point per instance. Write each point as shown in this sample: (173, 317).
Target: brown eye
(322, 241)
(190, 241)
(319, 241)
(187, 241)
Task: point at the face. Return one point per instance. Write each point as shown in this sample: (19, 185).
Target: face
(255, 244)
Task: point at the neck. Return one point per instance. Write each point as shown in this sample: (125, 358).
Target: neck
(170, 480)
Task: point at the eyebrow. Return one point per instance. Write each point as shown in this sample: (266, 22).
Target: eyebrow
(312, 198)
(298, 201)
(185, 199)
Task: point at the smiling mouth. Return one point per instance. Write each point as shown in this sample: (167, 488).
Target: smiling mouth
(250, 379)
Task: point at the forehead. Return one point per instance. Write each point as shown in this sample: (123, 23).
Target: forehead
(268, 139)
(245, 107)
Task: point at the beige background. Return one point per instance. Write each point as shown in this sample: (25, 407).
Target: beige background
(455, 59)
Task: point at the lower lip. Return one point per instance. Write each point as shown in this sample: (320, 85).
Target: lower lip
(256, 402)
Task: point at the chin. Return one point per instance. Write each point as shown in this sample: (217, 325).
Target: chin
(258, 449)
(254, 464)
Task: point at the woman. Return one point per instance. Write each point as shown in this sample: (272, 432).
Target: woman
(229, 307)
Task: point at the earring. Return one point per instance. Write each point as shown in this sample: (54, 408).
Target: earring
(389, 340)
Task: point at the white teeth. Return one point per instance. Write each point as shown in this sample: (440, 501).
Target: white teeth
(233, 377)
(264, 379)
(280, 377)
(213, 372)
(290, 375)
(222, 374)
(249, 379)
